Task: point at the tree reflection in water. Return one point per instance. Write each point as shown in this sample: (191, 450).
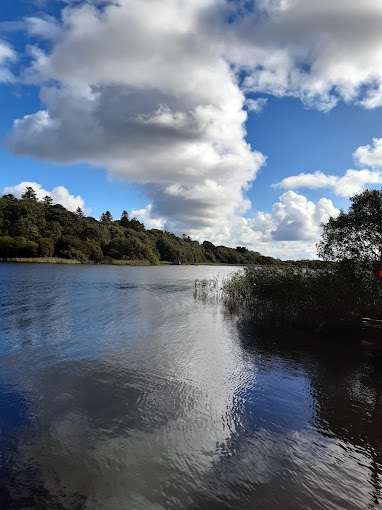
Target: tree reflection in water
(346, 383)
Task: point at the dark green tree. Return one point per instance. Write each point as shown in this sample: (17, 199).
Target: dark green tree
(137, 225)
(106, 217)
(356, 235)
(79, 212)
(124, 221)
(45, 247)
(29, 194)
(9, 197)
(47, 200)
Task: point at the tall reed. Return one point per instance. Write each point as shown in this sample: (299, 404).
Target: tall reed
(313, 299)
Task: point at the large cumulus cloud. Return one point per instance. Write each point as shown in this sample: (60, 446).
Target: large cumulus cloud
(293, 218)
(139, 90)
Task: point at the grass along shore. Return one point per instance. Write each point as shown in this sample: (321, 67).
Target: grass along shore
(58, 260)
(112, 262)
(40, 260)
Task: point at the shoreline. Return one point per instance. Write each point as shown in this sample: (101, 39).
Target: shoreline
(141, 263)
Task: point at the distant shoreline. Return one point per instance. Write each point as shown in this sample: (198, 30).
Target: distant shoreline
(142, 263)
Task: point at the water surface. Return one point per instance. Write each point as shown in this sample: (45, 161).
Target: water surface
(119, 390)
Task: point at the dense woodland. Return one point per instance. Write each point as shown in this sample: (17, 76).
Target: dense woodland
(31, 228)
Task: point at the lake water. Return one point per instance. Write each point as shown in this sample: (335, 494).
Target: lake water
(119, 390)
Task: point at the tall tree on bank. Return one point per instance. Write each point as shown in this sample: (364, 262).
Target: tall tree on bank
(356, 235)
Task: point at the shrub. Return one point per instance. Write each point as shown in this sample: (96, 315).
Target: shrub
(45, 247)
(17, 247)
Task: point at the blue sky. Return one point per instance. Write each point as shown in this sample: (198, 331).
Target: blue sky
(147, 107)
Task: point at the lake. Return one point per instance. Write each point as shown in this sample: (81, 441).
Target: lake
(119, 390)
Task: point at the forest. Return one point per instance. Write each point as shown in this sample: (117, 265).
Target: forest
(30, 228)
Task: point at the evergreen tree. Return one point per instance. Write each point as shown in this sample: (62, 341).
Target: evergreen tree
(47, 200)
(79, 212)
(106, 217)
(29, 194)
(124, 221)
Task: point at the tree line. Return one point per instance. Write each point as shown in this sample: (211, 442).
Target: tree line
(39, 228)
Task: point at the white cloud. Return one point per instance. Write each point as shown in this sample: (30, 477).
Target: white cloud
(144, 215)
(370, 155)
(308, 49)
(60, 195)
(7, 56)
(353, 181)
(256, 105)
(45, 28)
(290, 231)
(294, 218)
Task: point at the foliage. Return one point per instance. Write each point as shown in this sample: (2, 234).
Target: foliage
(17, 247)
(357, 234)
(29, 228)
(45, 246)
(29, 194)
(47, 200)
(106, 217)
(312, 299)
(79, 212)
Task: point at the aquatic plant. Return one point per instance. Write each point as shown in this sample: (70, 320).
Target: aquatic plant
(286, 297)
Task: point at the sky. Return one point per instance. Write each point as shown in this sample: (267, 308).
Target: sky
(243, 122)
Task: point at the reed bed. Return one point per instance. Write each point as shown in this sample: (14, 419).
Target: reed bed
(58, 260)
(209, 291)
(298, 297)
(116, 262)
(41, 260)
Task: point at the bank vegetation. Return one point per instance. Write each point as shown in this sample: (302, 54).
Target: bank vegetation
(326, 298)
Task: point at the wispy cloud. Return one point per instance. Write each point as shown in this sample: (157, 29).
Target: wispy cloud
(256, 105)
(7, 57)
(353, 181)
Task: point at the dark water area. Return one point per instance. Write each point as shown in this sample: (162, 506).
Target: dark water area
(119, 390)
